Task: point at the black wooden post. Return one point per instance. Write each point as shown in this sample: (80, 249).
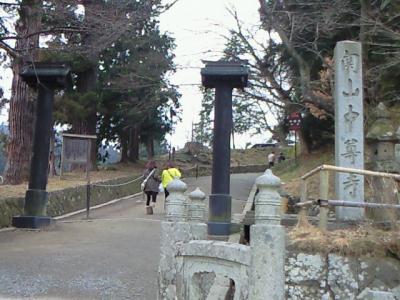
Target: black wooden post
(41, 139)
(88, 187)
(46, 78)
(224, 77)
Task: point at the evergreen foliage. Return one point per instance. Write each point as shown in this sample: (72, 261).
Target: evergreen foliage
(203, 130)
(119, 59)
(134, 85)
(129, 88)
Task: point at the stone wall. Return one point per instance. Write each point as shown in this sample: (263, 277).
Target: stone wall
(190, 265)
(331, 277)
(8, 208)
(71, 199)
(314, 276)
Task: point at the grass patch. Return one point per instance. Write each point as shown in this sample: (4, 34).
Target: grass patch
(290, 171)
(74, 179)
(364, 240)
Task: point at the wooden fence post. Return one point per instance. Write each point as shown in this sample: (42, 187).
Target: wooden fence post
(303, 187)
(323, 194)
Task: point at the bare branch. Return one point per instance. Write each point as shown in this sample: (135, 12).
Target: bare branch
(10, 51)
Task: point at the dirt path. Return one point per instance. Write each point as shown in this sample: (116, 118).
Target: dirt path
(113, 256)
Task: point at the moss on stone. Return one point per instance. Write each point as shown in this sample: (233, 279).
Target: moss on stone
(381, 129)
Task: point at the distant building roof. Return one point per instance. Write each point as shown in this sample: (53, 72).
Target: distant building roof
(265, 145)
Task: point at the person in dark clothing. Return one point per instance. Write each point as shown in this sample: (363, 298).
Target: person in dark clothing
(153, 182)
(281, 157)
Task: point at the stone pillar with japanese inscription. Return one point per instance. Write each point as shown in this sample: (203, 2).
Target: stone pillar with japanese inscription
(349, 129)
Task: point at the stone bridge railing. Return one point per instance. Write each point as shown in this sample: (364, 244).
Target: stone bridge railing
(190, 263)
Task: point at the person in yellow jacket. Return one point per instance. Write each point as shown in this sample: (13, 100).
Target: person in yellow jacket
(169, 173)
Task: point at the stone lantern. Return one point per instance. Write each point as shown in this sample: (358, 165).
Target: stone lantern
(383, 138)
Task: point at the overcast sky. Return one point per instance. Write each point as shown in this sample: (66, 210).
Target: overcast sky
(198, 28)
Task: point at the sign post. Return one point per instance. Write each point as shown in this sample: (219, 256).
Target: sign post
(294, 125)
(76, 149)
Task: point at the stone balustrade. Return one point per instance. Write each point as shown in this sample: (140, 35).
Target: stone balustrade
(197, 206)
(267, 277)
(175, 207)
(268, 208)
(257, 271)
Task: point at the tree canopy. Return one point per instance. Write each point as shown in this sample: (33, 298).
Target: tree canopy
(290, 57)
(119, 59)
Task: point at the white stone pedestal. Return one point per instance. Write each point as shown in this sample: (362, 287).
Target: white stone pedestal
(267, 279)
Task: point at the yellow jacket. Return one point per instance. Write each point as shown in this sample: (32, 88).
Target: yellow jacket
(168, 175)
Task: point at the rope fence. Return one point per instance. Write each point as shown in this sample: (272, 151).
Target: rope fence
(136, 179)
(118, 184)
(90, 185)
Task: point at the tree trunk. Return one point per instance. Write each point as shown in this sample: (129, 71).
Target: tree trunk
(304, 147)
(281, 136)
(150, 148)
(365, 9)
(21, 113)
(52, 158)
(124, 147)
(86, 82)
(134, 143)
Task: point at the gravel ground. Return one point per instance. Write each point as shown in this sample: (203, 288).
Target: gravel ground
(112, 256)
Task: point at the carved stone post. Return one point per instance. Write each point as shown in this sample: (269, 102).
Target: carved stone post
(196, 215)
(175, 206)
(174, 231)
(349, 127)
(267, 279)
(197, 207)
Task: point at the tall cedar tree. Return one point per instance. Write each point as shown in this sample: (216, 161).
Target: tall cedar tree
(84, 34)
(105, 23)
(21, 113)
(131, 66)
